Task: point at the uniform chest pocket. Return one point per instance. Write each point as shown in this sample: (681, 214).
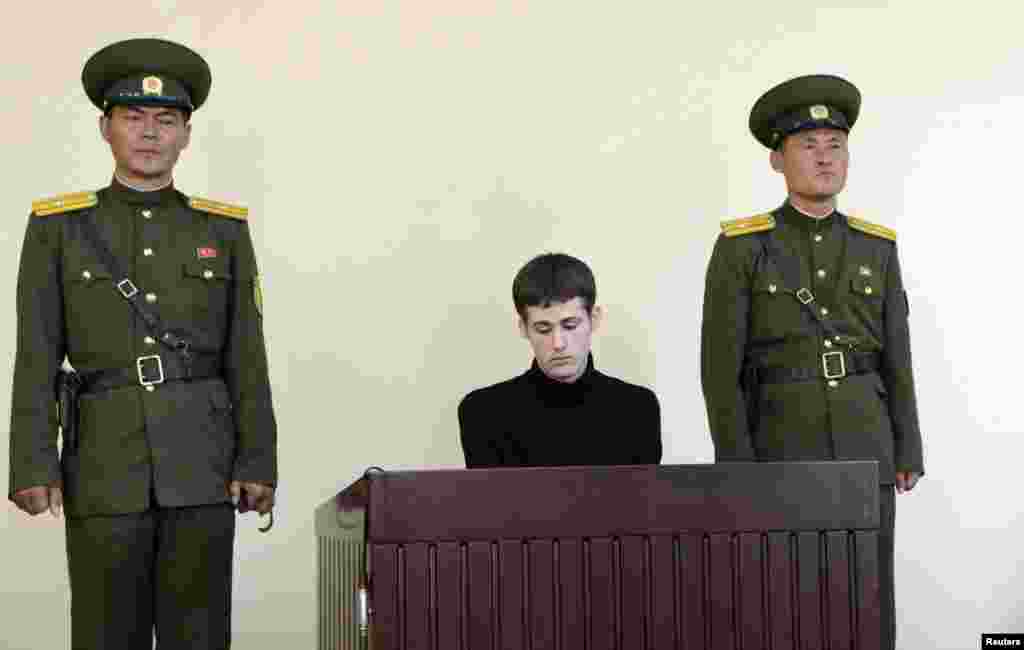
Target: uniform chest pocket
(774, 311)
(210, 272)
(867, 288)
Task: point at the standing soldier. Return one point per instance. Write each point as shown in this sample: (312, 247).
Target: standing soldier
(154, 298)
(805, 348)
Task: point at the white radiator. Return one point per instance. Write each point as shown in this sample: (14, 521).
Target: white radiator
(343, 612)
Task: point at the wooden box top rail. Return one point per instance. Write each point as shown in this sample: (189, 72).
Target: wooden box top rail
(558, 502)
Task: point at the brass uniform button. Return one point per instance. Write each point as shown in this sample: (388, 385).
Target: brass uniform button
(817, 238)
(150, 388)
(824, 311)
(151, 297)
(821, 273)
(86, 275)
(208, 274)
(148, 252)
(147, 214)
(868, 290)
(149, 340)
(832, 383)
(828, 343)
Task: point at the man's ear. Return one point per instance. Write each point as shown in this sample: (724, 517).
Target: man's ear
(596, 317)
(105, 127)
(188, 135)
(775, 158)
(521, 324)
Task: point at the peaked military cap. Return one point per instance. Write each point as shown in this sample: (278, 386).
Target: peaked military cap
(147, 71)
(809, 102)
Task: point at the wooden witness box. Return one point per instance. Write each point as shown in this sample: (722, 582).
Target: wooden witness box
(720, 557)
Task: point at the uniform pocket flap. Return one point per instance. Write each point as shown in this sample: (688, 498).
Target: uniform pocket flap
(207, 270)
(89, 274)
(867, 286)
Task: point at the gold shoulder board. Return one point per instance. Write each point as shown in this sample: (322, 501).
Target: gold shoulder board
(736, 227)
(64, 203)
(872, 228)
(219, 209)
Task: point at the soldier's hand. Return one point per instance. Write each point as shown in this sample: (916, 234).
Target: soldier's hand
(35, 500)
(905, 481)
(252, 496)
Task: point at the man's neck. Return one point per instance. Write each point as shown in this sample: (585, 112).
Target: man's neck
(143, 184)
(813, 208)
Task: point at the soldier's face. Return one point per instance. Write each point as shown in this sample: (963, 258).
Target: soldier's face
(814, 163)
(560, 336)
(145, 140)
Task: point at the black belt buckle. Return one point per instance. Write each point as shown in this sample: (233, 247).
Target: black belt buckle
(805, 296)
(834, 365)
(150, 369)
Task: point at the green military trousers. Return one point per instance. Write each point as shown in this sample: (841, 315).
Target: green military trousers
(164, 572)
(886, 548)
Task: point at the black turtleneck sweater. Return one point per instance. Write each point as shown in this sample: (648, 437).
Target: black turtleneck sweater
(532, 420)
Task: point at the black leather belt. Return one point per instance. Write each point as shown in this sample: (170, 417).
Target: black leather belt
(834, 365)
(150, 371)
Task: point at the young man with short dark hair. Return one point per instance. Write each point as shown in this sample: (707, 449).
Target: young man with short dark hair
(562, 411)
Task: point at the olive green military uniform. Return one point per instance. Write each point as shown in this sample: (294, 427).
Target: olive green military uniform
(150, 524)
(805, 346)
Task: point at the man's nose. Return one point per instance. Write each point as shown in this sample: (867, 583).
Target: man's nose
(558, 340)
(149, 129)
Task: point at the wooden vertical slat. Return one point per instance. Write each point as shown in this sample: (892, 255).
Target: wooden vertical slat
(751, 602)
(869, 613)
(809, 591)
(634, 592)
(511, 606)
(661, 626)
(721, 580)
(781, 578)
(384, 560)
(692, 602)
(481, 617)
(570, 594)
(839, 592)
(450, 598)
(417, 598)
(602, 595)
(542, 595)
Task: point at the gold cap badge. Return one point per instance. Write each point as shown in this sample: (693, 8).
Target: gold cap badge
(152, 86)
(819, 112)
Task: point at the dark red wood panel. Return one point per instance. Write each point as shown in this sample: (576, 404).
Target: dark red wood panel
(809, 597)
(840, 595)
(481, 613)
(693, 606)
(450, 596)
(571, 613)
(384, 565)
(418, 596)
(781, 593)
(751, 605)
(661, 625)
(606, 501)
(541, 608)
(601, 597)
(511, 605)
(721, 583)
(634, 592)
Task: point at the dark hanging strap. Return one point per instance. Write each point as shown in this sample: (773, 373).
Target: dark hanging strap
(130, 292)
(789, 269)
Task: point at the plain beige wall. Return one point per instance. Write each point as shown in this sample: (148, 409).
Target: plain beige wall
(402, 160)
